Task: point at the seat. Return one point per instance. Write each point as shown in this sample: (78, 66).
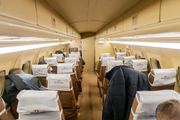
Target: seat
(3, 114)
(39, 105)
(41, 71)
(145, 103)
(161, 79)
(69, 68)
(60, 57)
(73, 49)
(52, 61)
(140, 65)
(127, 60)
(74, 60)
(102, 73)
(120, 55)
(63, 84)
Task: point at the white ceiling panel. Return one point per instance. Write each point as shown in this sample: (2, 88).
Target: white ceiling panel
(90, 15)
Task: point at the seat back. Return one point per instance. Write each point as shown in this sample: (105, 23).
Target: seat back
(41, 71)
(140, 64)
(145, 103)
(65, 68)
(162, 77)
(3, 114)
(113, 63)
(127, 60)
(104, 60)
(52, 61)
(63, 84)
(73, 60)
(41, 105)
(60, 57)
(120, 55)
(104, 55)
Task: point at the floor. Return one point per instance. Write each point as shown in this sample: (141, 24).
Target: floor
(91, 103)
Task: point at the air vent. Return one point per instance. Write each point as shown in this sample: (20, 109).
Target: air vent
(135, 19)
(53, 22)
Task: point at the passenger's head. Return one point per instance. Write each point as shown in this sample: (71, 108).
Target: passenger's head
(16, 71)
(42, 62)
(168, 110)
(59, 52)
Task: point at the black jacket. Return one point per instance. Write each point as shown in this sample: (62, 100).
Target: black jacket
(124, 82)
(14, 84)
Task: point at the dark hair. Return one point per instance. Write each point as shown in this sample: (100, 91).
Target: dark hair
(13, 69)
(58, 52)
(42, 62)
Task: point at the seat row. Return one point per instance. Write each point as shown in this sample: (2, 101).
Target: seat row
(67, 83)
(158, 78)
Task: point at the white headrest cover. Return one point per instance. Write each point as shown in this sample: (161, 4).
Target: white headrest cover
(71, 60)
(120, 55)
(74, 55)
(164, 77)
(30, 101)
(63, 68)
(40, 70)
(127, 60)
(104, 55)
(105, 59)
(59, 82)
(140, 64)
(113, 63)
(149, 100)
(59, 57)
(52, 61)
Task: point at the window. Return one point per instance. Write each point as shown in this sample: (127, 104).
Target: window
(2, 81)
(137, 56)
(41, 58)
(178, 76)
(50, 55)
(115, 49)
(128, 53)
(26, 67)
(120, 50)
(155, 64)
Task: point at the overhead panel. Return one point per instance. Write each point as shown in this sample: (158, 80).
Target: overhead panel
(47, 17)
(170, 9)
(19, 9)
(146, 12)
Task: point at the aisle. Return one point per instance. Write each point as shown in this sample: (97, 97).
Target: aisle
(91, 103)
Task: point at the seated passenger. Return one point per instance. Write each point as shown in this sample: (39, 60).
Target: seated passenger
(51, 69)
(60, 52)
(168, 110)
(16, 81)
(83, 62)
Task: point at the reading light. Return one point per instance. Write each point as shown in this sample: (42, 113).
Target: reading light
(151, 44)
(4, 50)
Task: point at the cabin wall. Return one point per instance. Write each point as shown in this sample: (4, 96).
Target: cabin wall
(17, 59)
(168, 58)
(105, 48)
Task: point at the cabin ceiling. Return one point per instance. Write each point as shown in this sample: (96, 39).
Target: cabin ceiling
(90, 15)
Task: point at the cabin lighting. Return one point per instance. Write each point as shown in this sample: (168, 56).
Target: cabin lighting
(101, 38)
(150, 44)
(5, 50)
